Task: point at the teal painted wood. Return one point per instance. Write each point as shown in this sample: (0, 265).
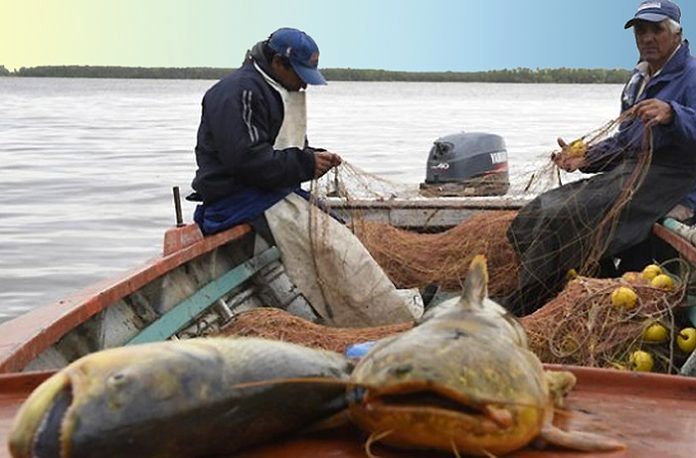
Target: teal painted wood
(185, 311)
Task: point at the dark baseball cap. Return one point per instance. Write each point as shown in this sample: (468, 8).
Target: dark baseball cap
(655, 11)
(301, 51)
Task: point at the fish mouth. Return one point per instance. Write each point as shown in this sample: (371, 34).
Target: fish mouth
(47, 439)
(437, 400)
(36, 431)
(427, 399)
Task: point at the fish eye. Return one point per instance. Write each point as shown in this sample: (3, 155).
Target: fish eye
(401, 369)
(117, 379)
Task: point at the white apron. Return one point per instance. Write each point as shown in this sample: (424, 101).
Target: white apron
(332, 269)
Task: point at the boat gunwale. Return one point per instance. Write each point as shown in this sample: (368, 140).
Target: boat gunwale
(429, 203)
(26, 336)
(681, 245)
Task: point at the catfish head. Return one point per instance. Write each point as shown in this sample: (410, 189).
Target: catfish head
(474, 306)
(462, 380)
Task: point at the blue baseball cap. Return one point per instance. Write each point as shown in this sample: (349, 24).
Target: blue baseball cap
(301, 51)
(655, 11)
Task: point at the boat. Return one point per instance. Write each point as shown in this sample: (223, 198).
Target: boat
(199, 283)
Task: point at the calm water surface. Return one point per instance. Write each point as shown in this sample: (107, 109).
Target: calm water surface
(87, 166)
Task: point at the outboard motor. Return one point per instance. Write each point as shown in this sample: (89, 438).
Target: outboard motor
(467, 164)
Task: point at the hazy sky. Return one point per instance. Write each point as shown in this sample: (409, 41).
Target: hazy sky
(414, 35)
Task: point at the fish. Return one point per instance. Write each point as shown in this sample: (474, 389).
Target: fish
(463, 381)
(198, 397)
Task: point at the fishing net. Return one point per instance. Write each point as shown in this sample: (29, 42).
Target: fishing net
(277, 324)
(414, 259)
(601, 234)
(579, 325)
(585, 326)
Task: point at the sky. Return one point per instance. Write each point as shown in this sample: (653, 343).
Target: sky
(408, 35)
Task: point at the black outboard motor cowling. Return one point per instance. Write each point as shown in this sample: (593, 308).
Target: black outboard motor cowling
(467, 164)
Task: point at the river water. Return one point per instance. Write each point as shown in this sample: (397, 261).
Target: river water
(87, 165)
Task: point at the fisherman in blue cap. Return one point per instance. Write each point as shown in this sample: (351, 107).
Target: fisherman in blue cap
(253, 154)
(556, 231)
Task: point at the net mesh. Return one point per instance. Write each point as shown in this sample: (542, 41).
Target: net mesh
(352, 185)
(580, 326)
(583, 326)
(414, 259)
(276, 324)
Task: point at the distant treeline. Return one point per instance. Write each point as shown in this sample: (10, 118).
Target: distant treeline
(517, 75)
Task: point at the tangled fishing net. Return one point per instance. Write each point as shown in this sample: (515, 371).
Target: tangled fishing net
(277, 324)
(579, 326)
(593, 231)
(414, 259)
(583, 326)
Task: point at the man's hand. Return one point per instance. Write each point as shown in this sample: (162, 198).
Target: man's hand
(325, 161)
(566, 161)
(653, 112)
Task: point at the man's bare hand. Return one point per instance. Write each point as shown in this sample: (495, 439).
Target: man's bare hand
(325, 161)
(653, 111)
(566, 161)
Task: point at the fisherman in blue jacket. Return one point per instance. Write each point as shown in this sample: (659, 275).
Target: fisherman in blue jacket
(253, 154)
(556, 231)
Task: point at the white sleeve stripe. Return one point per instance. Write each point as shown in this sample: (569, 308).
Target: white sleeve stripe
(246, 111)
(246, 116)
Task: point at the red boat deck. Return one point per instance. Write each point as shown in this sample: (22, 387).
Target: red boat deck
(655, 415)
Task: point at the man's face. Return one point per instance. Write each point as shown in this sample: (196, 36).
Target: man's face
(286, 76)
(655, 42)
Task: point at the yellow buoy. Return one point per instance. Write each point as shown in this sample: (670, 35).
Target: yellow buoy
(651, 271)
(662, 281)
(632, 277)
(576, 148)
(625, 297)
(686, 340)
(641, 361)
(655, 333)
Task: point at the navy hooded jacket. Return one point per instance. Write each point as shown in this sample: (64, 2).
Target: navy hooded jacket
(673, 144)
(239, 173)
(241, 117)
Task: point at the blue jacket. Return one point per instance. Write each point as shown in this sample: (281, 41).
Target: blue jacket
(239, 173)
(674, 144)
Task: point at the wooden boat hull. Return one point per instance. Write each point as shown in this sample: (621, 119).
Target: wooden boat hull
(651, 413)
(178, 291)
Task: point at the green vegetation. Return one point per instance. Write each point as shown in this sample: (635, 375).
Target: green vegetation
(517, 75)
(86, 71)
(4, 71)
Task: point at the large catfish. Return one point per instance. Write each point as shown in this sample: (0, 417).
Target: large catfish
(463, 381)
(187, 398)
